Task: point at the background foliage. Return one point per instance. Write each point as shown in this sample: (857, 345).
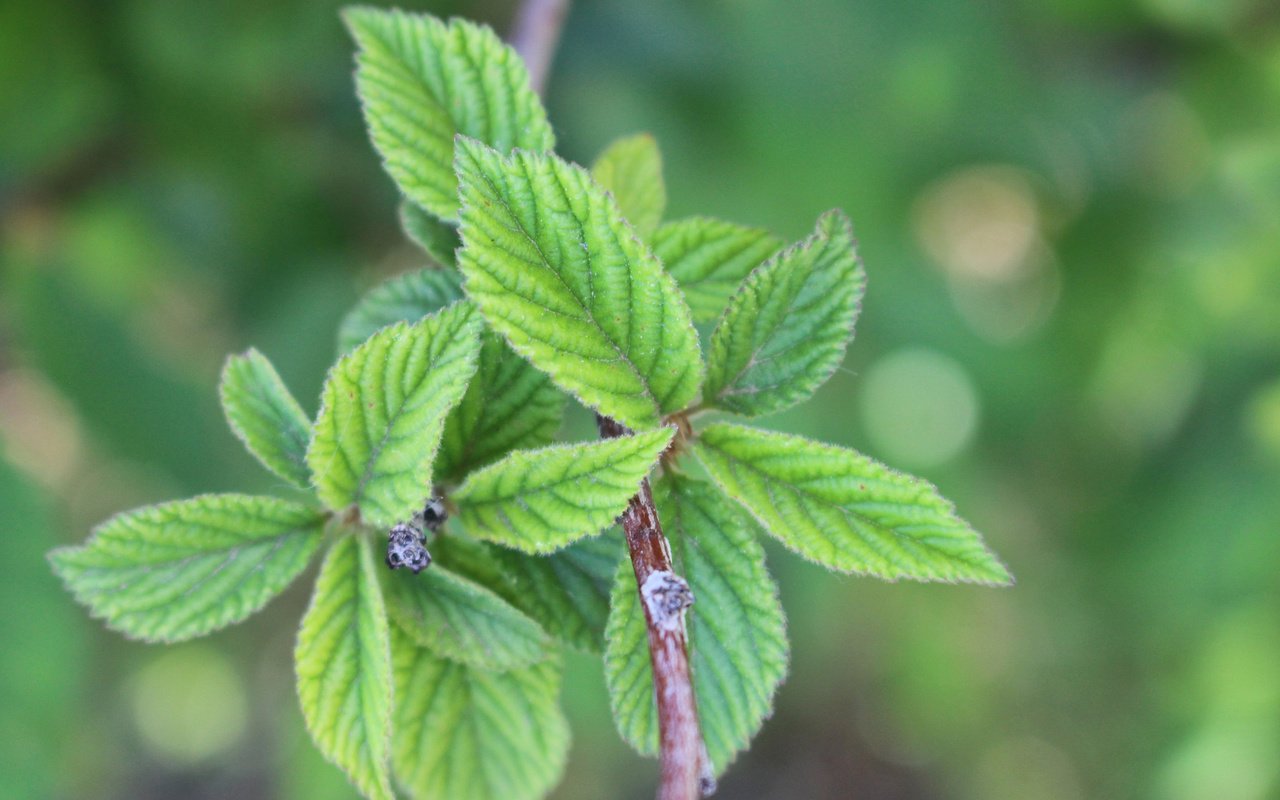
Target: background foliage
(1070, 216)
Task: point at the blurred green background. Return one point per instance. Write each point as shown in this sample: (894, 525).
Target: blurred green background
(1070, 216)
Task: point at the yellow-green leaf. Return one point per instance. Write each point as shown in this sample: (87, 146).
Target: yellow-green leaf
(554, 268)
(631, 170)
(382, 412)
(343, 663)
(844, 510)
(421, 81)
(541, 500)
(265, 416)
(183, 569)
(709, 258)
(786, 329)
(468, 734)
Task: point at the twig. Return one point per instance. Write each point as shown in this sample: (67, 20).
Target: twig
(535, 35)
(665, 596)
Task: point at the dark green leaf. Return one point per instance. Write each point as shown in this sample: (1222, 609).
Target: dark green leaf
(463, 621)
(508, 405)
(567, 592)
(404, 298)
(436, 237)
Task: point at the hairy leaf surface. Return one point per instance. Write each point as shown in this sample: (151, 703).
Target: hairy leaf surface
(556, 271)
(463, 621)
(631, 170)
(541, 500)
(383, 410)
(628, 671)
(404, 298)
(265, 416)
(469, 734)
(787, 328)
(436, 237)
(709, 258)
(567, 592)
(183, 569)
(421, 81)
(508, 405)
(343, 662)
(844, 510)
(737, 632)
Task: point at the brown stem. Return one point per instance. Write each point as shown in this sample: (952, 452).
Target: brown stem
(664, 597)
(535, 35)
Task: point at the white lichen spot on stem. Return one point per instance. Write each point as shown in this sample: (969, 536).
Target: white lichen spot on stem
(666, 596)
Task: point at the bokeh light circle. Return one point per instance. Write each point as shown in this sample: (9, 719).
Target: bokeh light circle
(919, 407)
(189, 705)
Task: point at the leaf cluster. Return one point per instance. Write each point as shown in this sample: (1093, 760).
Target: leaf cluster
(542, 281)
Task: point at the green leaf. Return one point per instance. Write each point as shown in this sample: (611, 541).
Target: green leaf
(710, 258)
(382, 412)
(469, 734)
(265, 416)
(555, 270)
(463, 621)
(737, 632)
(179, 570)
(736, 627)
(404, 298)
(844, 510)
(422, 81)
(628, 672)
(436, 237)
(787, 328)
(567, 592)
(631, 170)
(541, 500)
(343, 662)
(508, 405)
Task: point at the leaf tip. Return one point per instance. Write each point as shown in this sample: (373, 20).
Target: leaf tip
(996, 574)
(355, 17)
(57, 558)
(835, 220)
(468, 149)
